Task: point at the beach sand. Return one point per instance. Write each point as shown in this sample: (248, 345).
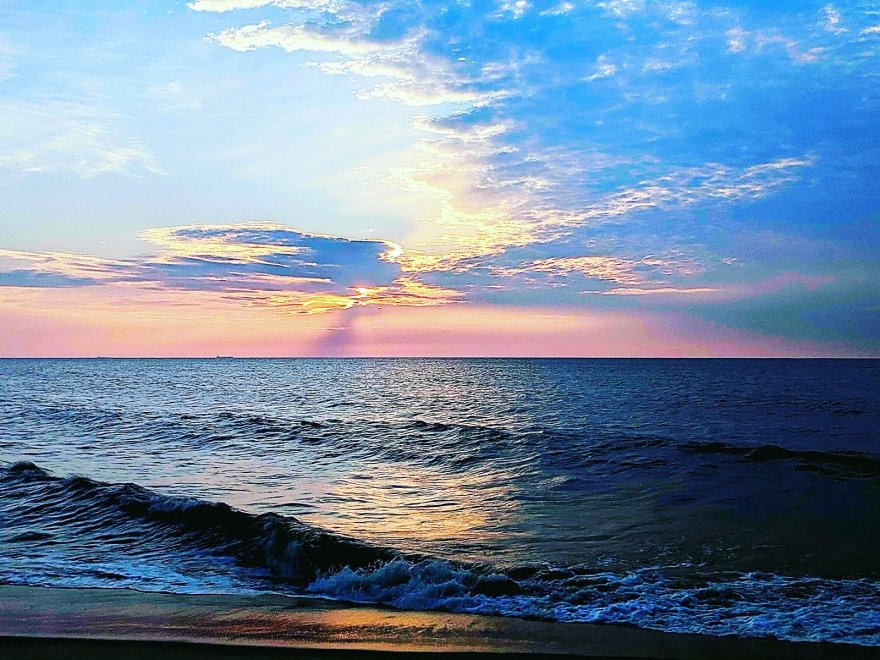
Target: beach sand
(38, 622)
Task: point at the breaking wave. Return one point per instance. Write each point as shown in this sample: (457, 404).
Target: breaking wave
(131, 536)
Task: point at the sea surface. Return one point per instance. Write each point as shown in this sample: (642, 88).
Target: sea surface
(726, 497)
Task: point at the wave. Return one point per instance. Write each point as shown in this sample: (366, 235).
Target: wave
(449, 446)
(76, 531)
(840, 463)
(288, 548)
(459, 444)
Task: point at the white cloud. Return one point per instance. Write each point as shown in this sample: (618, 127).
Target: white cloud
(663, 290)
(516, 8)
(736, 40)
(831, 20)
(476, 132)
(604, 69)
(82, 140)
(558, 10)
(226, 5)
(294, 38)
(796, 52)
(614, 269)
(652, 65)
(491, 184)
(739, 41)
(415, 77)
(222, 6)
(427, 93)
(694, 185)
(622, 8)
(683, 13)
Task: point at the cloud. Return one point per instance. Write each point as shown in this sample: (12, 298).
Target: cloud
(293, 38)
(681, 12)
(559, 10)
(222, 6)
(780, 282)
(485, 210)
(712, 182)
(263, 264)
(515, 8)
(662, 291)
(760, 42)
(613, 269)
(345, 33)
(831, 20)
(57, 136)
(623, 8)
(736, 40)
(58, 267)
(27, 278)
(276, 267)
(525, 150)
(604, 69)
(586, 273)
(468, 128)
(495, 182)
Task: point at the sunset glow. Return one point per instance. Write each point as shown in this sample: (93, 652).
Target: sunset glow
(303, 177)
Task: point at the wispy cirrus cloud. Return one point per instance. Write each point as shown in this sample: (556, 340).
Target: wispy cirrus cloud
(56, 269)
(558, 10)
(221, 6)
(232, 5)
(350, 35)
(656, 291)
(68, 137)
(486, 209)
(501, 167)
(619, 270)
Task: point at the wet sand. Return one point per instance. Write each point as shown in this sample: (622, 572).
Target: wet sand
(109, 623)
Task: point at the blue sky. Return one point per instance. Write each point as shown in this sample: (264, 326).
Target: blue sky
(712, 163)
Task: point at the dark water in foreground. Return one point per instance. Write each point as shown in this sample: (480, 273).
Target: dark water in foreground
(717, 496)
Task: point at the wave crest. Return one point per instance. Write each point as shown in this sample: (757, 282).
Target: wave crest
(48, 512)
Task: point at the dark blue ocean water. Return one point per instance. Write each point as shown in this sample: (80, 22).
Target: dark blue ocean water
(717, 496)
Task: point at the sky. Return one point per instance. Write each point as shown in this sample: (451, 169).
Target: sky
(499, 178)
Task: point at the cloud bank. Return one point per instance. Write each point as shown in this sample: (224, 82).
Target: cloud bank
(261, 264)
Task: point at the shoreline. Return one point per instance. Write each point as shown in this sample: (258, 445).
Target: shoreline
(41, 622)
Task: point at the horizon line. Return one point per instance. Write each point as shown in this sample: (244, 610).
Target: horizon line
(440, 357)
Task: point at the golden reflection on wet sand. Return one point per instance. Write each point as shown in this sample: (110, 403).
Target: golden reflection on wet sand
(274, 621)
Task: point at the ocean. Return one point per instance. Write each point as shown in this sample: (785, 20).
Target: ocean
(724, 497)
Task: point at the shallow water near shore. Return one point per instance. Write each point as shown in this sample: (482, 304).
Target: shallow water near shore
(111, 623)
(723, 497)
